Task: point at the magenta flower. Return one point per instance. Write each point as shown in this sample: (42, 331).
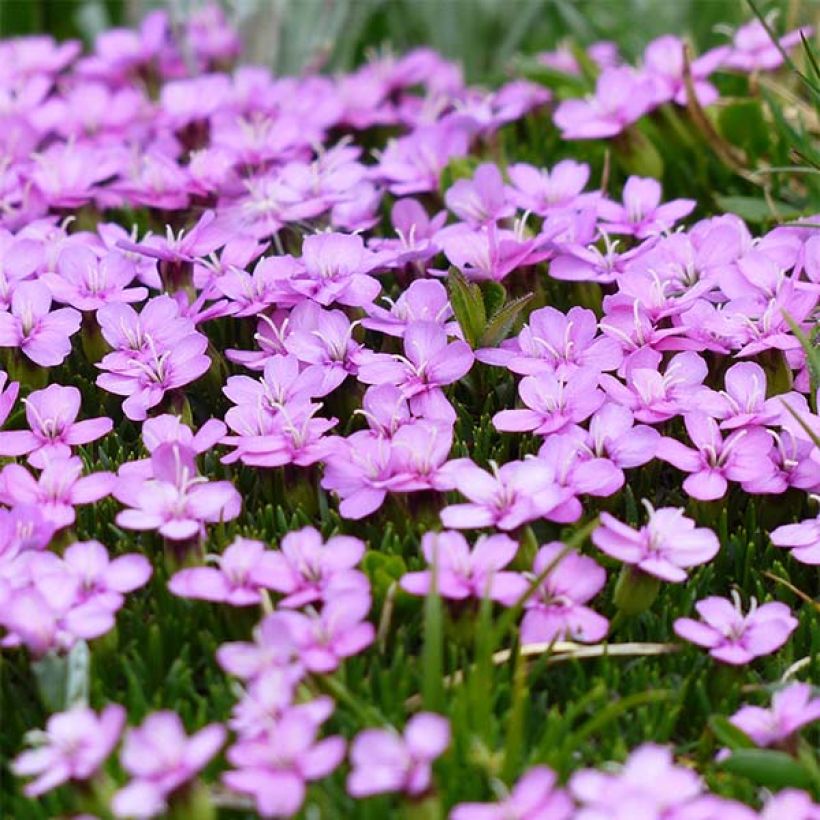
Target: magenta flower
(59, 488)
(753, 49)
(73, 747)
(360, 470)
(481, 199)
(416, 235)
(8, 395)
(664, 61)
(463, 573)
(412, 164)
(144, 381)
(743, 403)
(488, 253)
(428, 364)
(425, 300)
(735, 638)
(742, 456)
(53, 429)
(54, 620)
(553, 404)
(160, 758)
(641, 213)
(544, 192)
(534, 796)
(793, 707)
(614, 435)
(803, 539)
(272, 651)
(87, 566)
(176, 501)
(516, 492)
(306, 569)
(335, 268)
(649, 784)
(665, 547)
(557, 610)
(241, 572)
(557, 343)
(43, 335)
(87, 282)
(274, 769)
(653, 396)
(622, 96)
(340, 631)
(794, 803)
(384, 761)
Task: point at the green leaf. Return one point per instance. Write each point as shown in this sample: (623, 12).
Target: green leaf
(743, 124)
(468, 306)
(495, 295)
(767, 767)
(432, 691)
(62, 680)
(729, 734)
(755, 209)
(502, 321)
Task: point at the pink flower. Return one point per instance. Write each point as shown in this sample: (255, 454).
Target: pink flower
(87, 282)
(339, 631)
(384, 761)
(42, 334)
(481, 199)
(176, 501)
(553, 342)
(335, 268)
(244, 569)
(428, 364)
(51, 415)
(649, 784)
(533, 797)
(803, 539)
(461, 573)
(743, 403)
(552, 403)
(98, 578)
(792, 708)
(424, 300)
(735, 638)
(556, 611)
(274, 769)
(59, 488)
(73, 747)
(621, 97)
(754, 50)
(516, 492)
(543, 192)
(742, 456)
(160, 758)
(665, 547)
(306, 569)
(642, 213)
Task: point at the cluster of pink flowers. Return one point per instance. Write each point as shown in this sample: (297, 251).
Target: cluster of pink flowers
(625, 93)
(262, 212)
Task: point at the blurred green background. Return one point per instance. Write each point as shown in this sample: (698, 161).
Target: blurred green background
(482, 34)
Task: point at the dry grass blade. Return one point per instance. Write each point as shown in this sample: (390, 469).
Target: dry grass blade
(561, 651)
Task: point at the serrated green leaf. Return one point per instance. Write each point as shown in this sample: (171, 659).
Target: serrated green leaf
(468, 306)
(502, 321)
(495, 295)
(767, 767)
